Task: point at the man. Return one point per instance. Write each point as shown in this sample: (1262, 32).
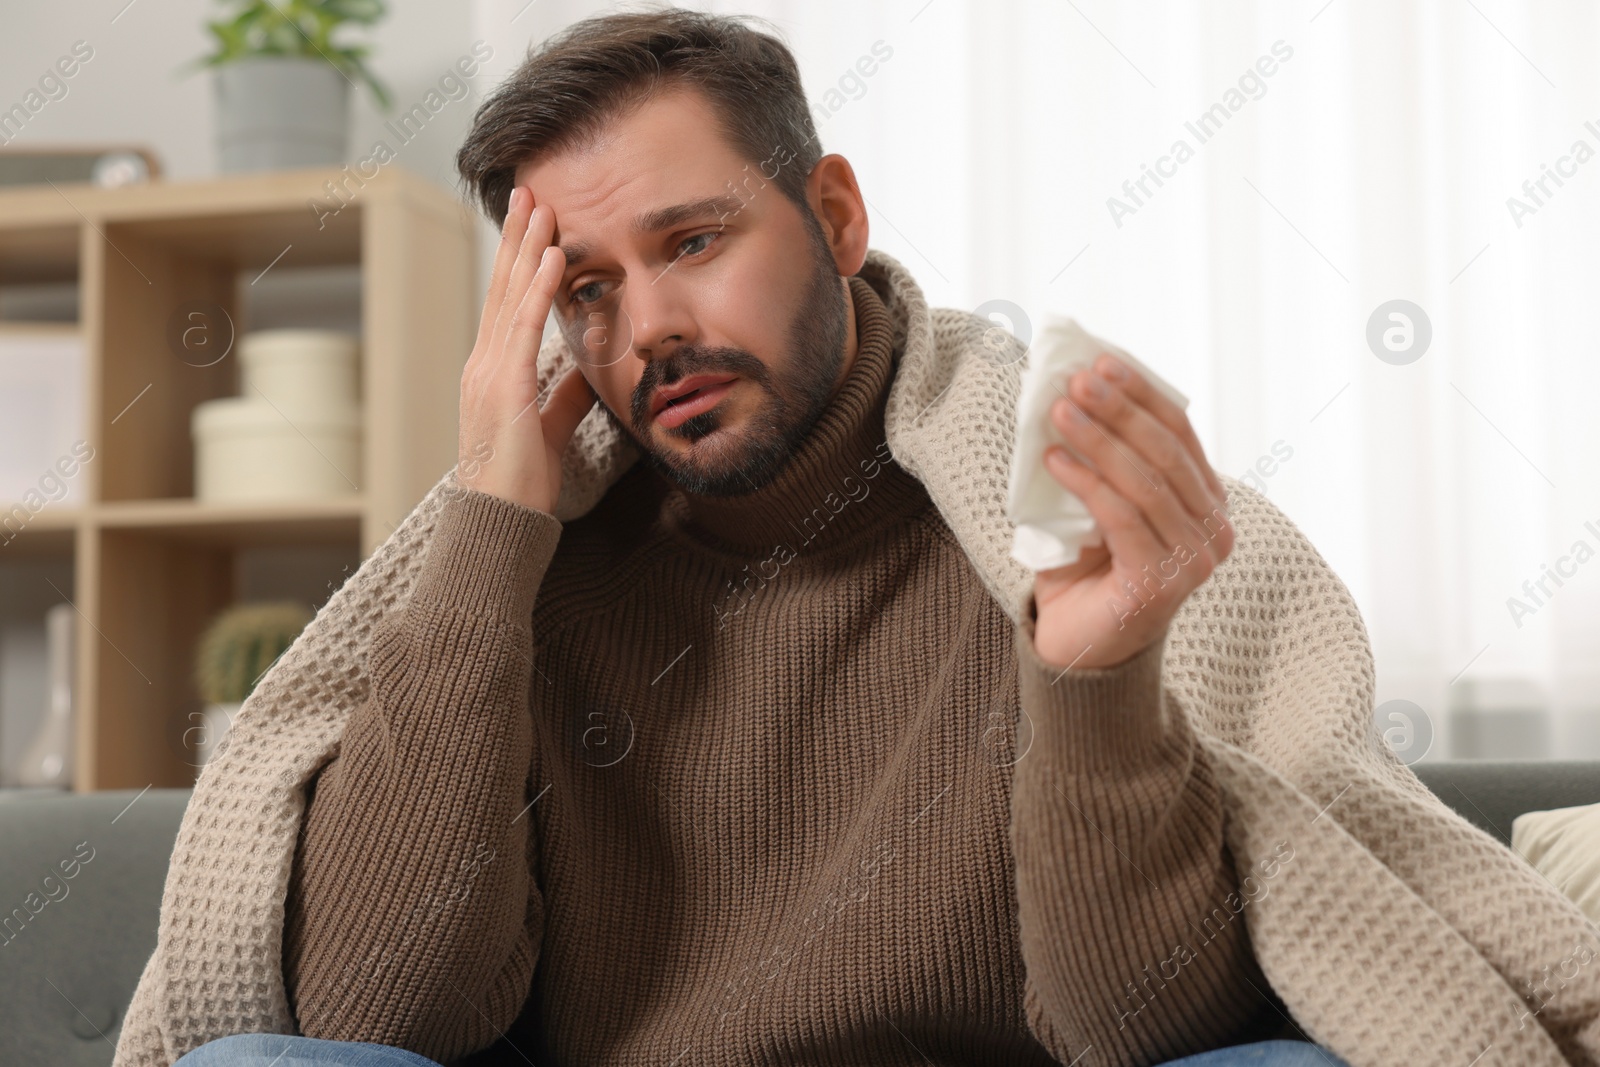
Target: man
(711, 308)
(731, 768)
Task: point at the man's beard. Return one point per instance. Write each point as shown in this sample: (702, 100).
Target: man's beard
(795, 403)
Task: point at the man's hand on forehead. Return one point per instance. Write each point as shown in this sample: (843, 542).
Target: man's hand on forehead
(509, 447)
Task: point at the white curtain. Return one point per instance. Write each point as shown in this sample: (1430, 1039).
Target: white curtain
(1357, 152)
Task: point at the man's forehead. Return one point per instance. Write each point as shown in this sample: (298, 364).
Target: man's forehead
(628, 196)
(674, 131)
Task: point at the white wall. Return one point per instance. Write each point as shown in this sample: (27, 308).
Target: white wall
(130, 91)
(1377, 165)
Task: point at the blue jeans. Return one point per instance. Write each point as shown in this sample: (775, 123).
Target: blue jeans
(282, 1050)
(285, 1050)
(1263, 1054)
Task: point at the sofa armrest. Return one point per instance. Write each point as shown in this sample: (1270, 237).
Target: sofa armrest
(80, 896)
(1491, 793)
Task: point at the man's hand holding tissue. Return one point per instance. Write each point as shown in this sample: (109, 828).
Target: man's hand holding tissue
(1161, 507)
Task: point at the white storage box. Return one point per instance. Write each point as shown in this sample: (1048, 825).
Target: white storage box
(246, 450)
(299, 370)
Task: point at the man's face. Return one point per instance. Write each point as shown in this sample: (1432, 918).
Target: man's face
(740, 289)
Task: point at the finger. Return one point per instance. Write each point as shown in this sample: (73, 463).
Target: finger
(525, 265)
(530, 255)
(1126, 533)
(1151, 439)
(516, 224)
(569, 402)
(1169, 415)
(1115, 462)
(526, 327)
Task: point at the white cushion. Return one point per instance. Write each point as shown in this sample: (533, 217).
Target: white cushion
(1563, 844)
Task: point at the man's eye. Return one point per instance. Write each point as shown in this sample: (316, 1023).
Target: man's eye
(696, 251)
(578, 299)
(577, 296)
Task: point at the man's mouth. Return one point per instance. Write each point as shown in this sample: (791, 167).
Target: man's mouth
(683, 400)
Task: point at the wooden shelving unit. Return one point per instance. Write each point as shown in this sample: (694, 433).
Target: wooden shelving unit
(150, 564)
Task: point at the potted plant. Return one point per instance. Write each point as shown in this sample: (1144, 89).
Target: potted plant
(282, 83)
(233, 653)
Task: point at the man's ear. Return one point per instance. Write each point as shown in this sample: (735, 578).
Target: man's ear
(835, 199)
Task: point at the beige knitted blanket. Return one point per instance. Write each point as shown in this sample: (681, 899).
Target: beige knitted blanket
(1396, 932)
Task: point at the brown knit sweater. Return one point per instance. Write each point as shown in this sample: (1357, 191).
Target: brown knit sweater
(739, 781)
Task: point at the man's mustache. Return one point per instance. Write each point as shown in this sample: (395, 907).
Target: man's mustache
(687, 362)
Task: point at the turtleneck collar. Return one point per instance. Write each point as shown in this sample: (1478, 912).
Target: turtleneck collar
(839, 483)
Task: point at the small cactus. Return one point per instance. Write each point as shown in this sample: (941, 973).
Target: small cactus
(241, 643)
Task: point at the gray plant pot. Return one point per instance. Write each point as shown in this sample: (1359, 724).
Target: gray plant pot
(280, 111)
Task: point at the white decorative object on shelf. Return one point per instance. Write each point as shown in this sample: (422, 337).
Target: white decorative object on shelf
(249, 450)
(299, 370)
(294, 433)
(47, 760)
(41, 413)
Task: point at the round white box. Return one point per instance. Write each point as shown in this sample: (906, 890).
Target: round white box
(245, 450)
(299, 369)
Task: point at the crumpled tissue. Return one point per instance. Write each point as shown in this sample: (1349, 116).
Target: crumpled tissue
(1053, 525)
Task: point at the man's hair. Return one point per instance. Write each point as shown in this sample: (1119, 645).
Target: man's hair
(598, 69)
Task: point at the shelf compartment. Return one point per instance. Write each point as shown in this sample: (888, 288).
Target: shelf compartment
(155, 595)
(155, 367)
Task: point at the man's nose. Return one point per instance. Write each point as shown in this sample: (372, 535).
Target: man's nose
(661, 317)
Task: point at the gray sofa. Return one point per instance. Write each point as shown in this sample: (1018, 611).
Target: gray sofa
(68, 971)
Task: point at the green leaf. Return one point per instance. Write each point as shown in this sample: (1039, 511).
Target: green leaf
(284, 39)
(244, 22)
(230, 39)
(365, 12)
(384, 100)
(294, 28)
(322, 33)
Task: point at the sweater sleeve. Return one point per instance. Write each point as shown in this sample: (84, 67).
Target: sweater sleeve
(411, 919)
(1129, 905)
